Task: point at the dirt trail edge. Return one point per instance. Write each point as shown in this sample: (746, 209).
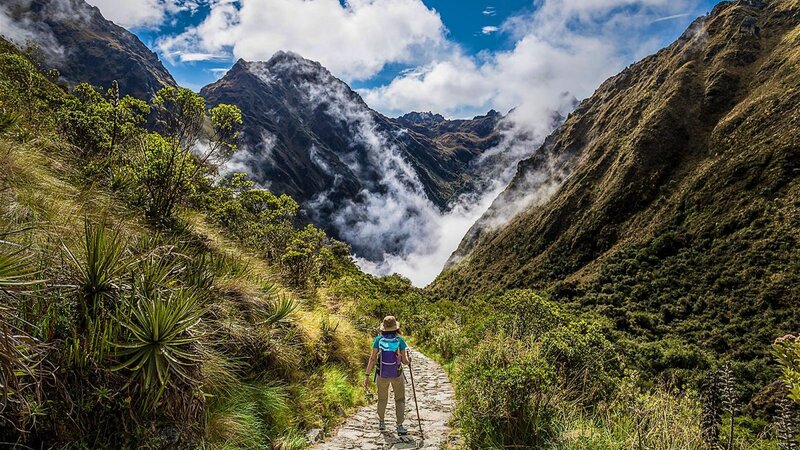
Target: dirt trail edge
(436, 402)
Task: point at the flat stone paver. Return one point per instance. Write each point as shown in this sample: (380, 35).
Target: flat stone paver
(436, 403)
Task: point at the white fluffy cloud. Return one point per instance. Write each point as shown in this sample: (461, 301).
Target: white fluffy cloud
(355, 40)
(141, 13)
(563, 46)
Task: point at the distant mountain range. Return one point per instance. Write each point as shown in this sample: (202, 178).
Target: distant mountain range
(309, 135)
(307, 129)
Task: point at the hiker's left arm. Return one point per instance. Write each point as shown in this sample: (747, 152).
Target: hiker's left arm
(370, 365)
(404, 357)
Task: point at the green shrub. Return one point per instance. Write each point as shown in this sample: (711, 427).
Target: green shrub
(337, 389)
(506, 395)
(99, 124)
(522, 313)
(447, 341)
(168, 165)
(588, 365)
(787, 351)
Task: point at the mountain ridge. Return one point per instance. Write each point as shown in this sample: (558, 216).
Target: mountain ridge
(78, 41)
(669, 197)
(308, 134)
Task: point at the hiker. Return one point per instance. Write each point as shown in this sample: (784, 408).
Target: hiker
(389, 350)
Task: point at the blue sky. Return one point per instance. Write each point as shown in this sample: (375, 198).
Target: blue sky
(464, 20)
(446, 55)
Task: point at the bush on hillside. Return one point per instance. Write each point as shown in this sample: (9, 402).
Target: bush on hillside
(506, 391)
(267, 223)
(787, 351)
(511, 384)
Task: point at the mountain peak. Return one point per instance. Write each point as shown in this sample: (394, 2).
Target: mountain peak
(287, 67)
(78, 41)
(423, 118)
(287, 55)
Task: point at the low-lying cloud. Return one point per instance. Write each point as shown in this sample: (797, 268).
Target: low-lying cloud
(21, 28)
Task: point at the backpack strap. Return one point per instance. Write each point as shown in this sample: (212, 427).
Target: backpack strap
(380, 363)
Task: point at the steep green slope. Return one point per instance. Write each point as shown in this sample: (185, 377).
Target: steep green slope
(121, 331)
(677, 214)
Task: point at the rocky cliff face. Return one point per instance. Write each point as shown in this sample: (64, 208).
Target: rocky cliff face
(668, 200)
(84, 46)
(311, 136)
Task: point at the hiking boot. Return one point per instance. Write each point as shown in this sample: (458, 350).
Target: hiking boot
(401, 430)
(381, 425)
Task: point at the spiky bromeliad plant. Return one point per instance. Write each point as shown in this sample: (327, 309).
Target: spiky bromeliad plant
(100, 265)
(159, 341)
(278, 310)
(101, 261)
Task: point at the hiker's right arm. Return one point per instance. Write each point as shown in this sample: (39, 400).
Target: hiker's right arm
(370, 365)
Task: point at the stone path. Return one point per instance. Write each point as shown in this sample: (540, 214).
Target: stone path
(436, 402)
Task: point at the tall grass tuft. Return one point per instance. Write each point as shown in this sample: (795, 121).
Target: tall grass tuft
(219, 372)
(252, 417)
(337, 389)
(101, 264)
(292, 440)
(21, 354)
(635, 419)
(233, 422)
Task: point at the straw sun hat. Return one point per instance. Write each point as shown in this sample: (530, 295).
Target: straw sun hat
(390, 324)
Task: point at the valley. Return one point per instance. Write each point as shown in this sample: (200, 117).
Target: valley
(206, 269)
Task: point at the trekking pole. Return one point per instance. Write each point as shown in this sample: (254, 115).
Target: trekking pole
(414, 391)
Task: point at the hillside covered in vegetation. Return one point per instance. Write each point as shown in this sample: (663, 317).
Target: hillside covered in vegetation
(676, 220)
(146, 303)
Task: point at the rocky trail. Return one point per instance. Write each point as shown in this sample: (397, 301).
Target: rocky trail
(436, 403)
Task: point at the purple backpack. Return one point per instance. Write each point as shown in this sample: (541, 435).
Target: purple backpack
(388, 357)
